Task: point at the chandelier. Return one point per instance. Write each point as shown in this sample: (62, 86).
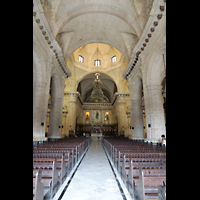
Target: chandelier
(97, 93)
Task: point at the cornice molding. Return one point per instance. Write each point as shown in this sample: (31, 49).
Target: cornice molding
(76, 94)
(116, 95)
(157, 12)
(39, 17)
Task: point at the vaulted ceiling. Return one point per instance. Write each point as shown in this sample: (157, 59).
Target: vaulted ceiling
(97, 29)
(108, 87)
(76, 23)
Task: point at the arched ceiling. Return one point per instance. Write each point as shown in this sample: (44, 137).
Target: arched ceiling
(116, 24)
(76, 23)
(108, 88)
(90, 53)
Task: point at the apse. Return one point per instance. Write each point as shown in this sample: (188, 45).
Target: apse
(95, 89)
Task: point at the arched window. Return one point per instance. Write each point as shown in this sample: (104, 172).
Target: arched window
(97, 62)
(80, 58)
(113, 59)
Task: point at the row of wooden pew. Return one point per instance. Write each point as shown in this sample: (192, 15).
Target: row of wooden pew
(142, 167)
(52, 163)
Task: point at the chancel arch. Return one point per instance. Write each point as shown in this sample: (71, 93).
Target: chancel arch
(86, 88)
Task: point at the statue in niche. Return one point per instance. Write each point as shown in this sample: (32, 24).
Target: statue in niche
(97, 115)
(106, 116)
(87, 116)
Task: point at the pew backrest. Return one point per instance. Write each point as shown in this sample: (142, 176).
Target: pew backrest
(38, 187)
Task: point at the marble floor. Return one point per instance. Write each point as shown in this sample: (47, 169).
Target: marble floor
(94, 178)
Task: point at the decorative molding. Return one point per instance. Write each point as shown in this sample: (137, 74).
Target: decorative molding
(116, 95)
(77, 94)
(39, 17)
(155, 15)
(98, 104)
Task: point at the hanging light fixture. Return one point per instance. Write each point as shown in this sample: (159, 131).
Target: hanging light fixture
(97, 93)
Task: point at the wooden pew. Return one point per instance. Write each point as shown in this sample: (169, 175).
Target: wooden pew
(141, 157)
(124, 162)
(62, 165)
(38, 187)
(115, 156)
(130, 169)
(50, 154)
(55, 161)
(49, 178)
(67, 158)
(130, 158)
(147, 186)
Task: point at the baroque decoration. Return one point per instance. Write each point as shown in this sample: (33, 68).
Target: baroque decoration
(97, 95)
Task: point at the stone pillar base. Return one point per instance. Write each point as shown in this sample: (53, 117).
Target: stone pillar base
(55, 137)
(153, 140)
(40, 139)
(138, 139)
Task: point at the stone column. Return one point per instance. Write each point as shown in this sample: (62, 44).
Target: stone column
(147, 111)
(156, 114)
(146, 101)
(55, 121)
(137, 122)
(121, 115)
(71, 100)
(137, 126)
(39, 115)
(64, 118)
(132, 115)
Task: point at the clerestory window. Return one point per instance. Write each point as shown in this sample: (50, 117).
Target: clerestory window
(80, 58)
(113, 59)
(97, 63)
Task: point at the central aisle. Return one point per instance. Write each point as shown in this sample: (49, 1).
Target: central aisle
(94, 179)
